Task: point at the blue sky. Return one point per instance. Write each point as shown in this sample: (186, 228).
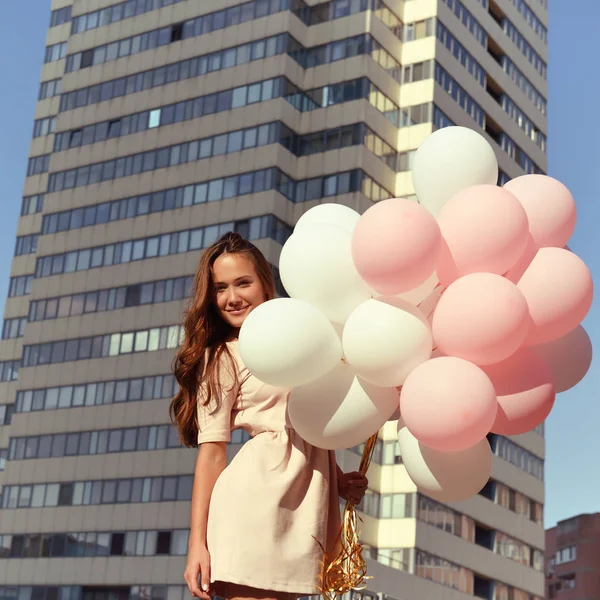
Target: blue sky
(573, 443)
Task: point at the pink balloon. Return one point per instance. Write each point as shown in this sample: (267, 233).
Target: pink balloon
(569, 358)
(448, 404)
(481, 317)
(559, 290)
(525, 389)
(550, 208)
(396, 245)
(516, 271)
(485, 230)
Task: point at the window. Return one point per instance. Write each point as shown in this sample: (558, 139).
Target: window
(565, 555)
(60, 16)
(38, 165)
(154, 119)
(55, 52)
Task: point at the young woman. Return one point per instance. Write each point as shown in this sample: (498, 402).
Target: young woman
(256, 524)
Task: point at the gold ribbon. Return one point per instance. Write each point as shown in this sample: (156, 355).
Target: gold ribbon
(348, 570)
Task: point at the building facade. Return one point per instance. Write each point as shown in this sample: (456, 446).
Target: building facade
(573, 558)
(160, 125)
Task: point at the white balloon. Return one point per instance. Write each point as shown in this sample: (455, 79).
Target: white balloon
(316, 266)
(421, 292)
(385, 338)
(450, 160)
(445, 476)
(287, 343)
(334, 214)
(340, 410)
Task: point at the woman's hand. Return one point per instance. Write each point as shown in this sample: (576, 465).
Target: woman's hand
(352, 486)
(198, 564)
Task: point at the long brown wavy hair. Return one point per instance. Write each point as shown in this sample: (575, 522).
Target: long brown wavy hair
(198, 359)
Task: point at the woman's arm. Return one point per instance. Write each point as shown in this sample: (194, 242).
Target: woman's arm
(211, 461)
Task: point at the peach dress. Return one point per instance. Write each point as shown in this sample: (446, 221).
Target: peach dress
(275, 495)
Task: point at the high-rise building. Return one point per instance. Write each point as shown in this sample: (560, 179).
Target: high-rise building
(573, 558)
(162, 124)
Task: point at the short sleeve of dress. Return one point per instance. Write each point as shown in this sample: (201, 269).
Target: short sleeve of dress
(214, 424)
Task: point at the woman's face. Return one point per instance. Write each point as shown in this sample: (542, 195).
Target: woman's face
(238, 289)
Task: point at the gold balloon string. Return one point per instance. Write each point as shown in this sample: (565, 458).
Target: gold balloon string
(348, 570)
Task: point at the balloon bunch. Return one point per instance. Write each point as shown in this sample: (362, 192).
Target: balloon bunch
(469, 302)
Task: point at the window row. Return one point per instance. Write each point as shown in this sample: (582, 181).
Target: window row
(38, 165)
(459, 95)
(55, 52)
(418, 30)
(127, 208)
(20, 285)
(384, 453)
(178, 71)
(332, 185)
(525, 47)
(169, 156)
(43, 127)
(388, 506)
(137, 389)
(532, 19)
(13, 328)
(437, 569)
(337, 9)
(211, 191)
(26, 244)
(138, 294)
(32, 204)
(524, 122)
(89, 544)
(174, 33)
(468, 20)
(440, 119)
(342, 49)
(6, 413)
(524, 84)
(194, 108)
(506, 143)
(108, 491)
(60, 16)
(341, 137)
(116, 12)
(49, 89)
(261, 91)
(80, 443)
(165, 244)
(418, 71)
(346, 91)
(517, 154)
(503, 178)
(230, 57)
(9, 370)
(517, 456)
(512, 500)
(565, 555)
(460, 53)
(102, 346)
(107, 592)
(444, 518)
